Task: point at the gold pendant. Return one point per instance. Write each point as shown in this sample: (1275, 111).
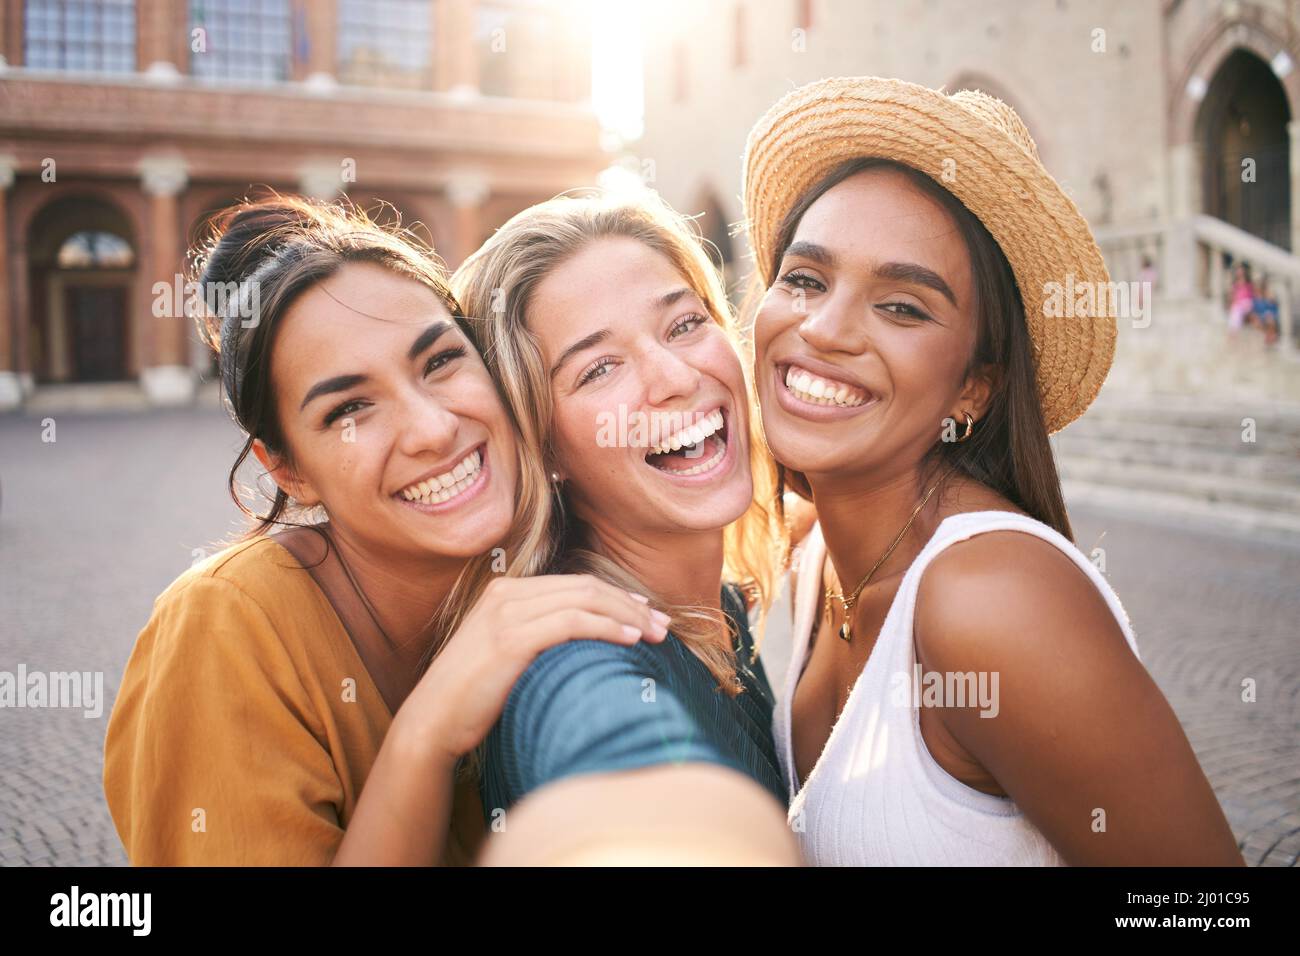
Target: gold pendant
(846, 632)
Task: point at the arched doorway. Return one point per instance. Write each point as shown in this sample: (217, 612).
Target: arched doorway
(714, 228)
(82, 266)
(1244, 116)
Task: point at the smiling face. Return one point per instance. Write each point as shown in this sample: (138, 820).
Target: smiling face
(649, 427)
(392, 421)
(862, 342)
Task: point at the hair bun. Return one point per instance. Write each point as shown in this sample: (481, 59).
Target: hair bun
(244, 236)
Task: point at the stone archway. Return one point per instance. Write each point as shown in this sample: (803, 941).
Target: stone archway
(1246, 28)
(1241, 132)
(714, 227)
(81, 272)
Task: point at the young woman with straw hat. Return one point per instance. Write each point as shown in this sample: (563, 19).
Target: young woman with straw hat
(964, 686)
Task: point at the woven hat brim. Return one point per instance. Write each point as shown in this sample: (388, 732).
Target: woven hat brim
(1044, 237)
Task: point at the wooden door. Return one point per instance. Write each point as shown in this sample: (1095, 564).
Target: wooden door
(96, 326)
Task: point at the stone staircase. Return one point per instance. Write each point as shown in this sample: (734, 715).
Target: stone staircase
(1178, 457)
(1187, 350)
(1169, 437)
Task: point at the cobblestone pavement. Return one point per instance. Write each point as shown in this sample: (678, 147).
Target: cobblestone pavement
(95, 524)
(1210, 611)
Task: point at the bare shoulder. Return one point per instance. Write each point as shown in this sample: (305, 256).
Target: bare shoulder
(1008, 594)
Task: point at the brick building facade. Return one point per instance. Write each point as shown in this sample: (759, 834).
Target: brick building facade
(124, 124)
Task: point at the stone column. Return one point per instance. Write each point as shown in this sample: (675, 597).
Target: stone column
(321, 179)
(11, 391)
(1293, 134)
(167, 377)
(1184, 181)
(1178, 271)
(11, 35)
(455, 56)
(466, 191)
(320, 18)
(162, 39)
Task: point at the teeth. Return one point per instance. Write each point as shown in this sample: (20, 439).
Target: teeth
(448, 485)
(691, 435)
(821, 391)
(702, 466)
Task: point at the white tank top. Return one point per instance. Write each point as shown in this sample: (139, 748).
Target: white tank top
(876, 797)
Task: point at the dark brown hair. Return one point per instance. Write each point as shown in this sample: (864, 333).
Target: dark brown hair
(1008, 450)
(282, 246)
(285, 245)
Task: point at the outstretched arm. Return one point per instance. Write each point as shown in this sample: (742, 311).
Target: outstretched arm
(597, 759)
(696, 814)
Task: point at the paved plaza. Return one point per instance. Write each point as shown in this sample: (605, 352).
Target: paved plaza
(94, 524)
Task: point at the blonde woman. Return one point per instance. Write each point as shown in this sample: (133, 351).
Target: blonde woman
(964, 687)
(609, 332)
(276, 709)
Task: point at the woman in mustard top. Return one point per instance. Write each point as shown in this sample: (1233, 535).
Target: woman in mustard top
(308, 697)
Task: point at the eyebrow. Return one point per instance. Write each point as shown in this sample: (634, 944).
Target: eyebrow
(595, 338)
(427, 338)
(659, 303)
(341, 383)
(670, 298)
(811, 250)
(910, 272)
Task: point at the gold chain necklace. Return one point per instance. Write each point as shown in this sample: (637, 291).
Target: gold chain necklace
(846, 629)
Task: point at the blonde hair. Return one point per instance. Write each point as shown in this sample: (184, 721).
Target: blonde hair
(495, 286)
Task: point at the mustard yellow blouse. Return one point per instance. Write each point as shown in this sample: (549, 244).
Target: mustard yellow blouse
(246, 723)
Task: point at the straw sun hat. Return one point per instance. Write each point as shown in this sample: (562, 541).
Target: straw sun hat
(977, 148)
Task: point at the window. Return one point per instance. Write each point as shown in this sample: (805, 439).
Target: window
(247, 41)
(92, 35)
(385, 43)
(518, 45)
(681, 86)
(738, 56)
(803, 14)
(91, 249)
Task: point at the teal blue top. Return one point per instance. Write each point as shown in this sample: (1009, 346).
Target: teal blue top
(588, 706)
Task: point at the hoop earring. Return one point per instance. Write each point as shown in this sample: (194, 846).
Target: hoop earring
(970, 424)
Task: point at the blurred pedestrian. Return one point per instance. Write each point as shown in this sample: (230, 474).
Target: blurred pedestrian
(1241, 299)
(1265, 310)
